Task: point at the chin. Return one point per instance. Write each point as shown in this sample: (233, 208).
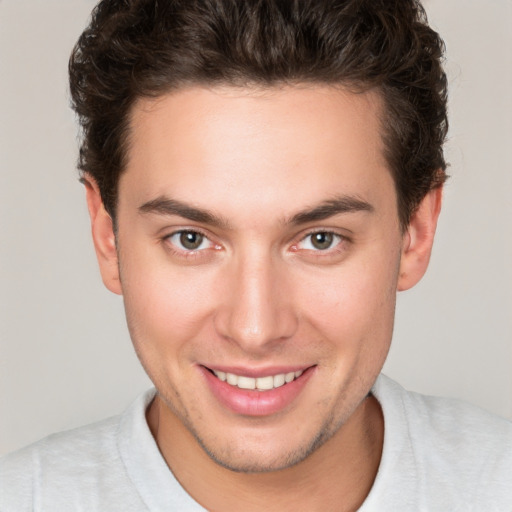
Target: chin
(260, 456)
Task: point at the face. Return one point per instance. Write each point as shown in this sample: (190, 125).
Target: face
(259, 253)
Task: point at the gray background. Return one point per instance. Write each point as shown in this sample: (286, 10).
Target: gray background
(65, 355)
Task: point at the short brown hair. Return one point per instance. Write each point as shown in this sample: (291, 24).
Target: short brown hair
(146, 48)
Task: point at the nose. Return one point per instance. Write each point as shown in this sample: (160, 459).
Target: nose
(256, 309)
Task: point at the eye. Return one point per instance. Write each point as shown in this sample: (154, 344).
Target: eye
(189, 240)
(320, 241)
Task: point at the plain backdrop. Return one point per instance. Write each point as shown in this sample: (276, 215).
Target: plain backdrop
(65, 355)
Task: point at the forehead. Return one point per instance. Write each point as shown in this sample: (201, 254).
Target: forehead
(293, 144)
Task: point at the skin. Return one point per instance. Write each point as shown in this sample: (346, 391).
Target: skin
(258, 293)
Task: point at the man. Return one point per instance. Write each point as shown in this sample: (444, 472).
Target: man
(262, 177)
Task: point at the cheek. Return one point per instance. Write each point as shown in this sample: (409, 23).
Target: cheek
(354, 305)
(166, 306)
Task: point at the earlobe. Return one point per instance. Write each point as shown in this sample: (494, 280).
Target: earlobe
(103, 236)
(418, 240)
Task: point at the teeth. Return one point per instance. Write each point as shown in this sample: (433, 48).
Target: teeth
(246, 383)
(259, 383)
(264, 382)
(279, 380)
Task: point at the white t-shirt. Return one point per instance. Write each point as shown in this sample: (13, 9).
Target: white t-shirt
(439, 455)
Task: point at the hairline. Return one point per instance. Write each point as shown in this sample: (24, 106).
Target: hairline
(256, 87)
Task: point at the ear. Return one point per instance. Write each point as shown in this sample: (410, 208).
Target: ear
(103, 236)
(418, 240)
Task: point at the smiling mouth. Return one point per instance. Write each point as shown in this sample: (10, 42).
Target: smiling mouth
(257, 383)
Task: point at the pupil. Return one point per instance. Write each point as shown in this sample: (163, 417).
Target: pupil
(191, 240)
(322, 240)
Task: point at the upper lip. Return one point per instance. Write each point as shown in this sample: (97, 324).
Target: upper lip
(258, 372)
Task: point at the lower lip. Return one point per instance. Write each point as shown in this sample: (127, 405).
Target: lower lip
(256, 403)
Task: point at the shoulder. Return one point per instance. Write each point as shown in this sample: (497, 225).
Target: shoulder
(451, 449)
(449, 421)
(57, 460)
(87, 439)
(80, 469)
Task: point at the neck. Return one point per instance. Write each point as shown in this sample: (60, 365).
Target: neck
(336, 477)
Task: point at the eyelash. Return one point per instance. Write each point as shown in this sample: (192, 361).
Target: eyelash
(339, 242)
(188, 253)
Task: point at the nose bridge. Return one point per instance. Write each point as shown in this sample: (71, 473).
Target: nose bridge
(257, 308)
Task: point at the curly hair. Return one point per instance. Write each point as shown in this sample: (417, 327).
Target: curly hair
(146, 48)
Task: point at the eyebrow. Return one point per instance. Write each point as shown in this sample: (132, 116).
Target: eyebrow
(166, 206)
(342, 204)
(332, 207)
